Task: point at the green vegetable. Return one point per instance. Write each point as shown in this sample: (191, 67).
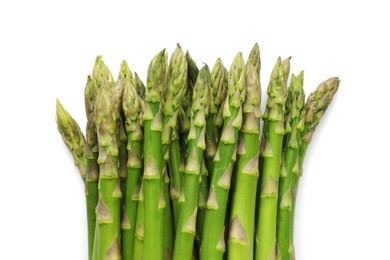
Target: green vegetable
(213, 241)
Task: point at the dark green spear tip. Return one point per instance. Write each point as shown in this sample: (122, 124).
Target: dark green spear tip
(105, 117)
(101, 75)
(89, 97)
(72, 135)
(286, 66)
(192, 69)
(131, 106)
(125, 72)
(236, 83)
(139, 86)
(253, 90)
(176, 81)
(200, 97)
(254, 58)
(156, 77)
(219, 86)
(317, 103)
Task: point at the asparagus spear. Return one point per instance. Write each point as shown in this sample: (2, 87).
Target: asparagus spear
(271, 151)
(108, 207)
(91, 153)
(213, 241)
(185, 113)
(294, 124)
(176, 86)
(116, 93)
(176, 80)
(154, 201)
(242, 216)
(316, 105)
(186, 227)
(138, 196)
(218, 94)
(132, 110)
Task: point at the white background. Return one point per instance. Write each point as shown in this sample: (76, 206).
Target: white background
(47, 49)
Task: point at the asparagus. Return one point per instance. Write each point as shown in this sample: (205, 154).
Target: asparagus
(213, 241)
(186, 227)
(316, 105)
(294, 124)
(154, 201)
(176, 87)
(132, 110)
(218, 94)
(138, 253)
(242, 216)
(185, 113)
(203, 194)
(108, 207)
(91, 153)
(271, 151)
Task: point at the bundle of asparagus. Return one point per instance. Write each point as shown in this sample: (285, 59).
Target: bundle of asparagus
(175, 169)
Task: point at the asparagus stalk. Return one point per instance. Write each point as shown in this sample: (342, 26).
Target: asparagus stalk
(218, 94)
(132, 110)
(185, 113)
(213, 241)
(316, 105)
(91, 153)
(242, 216)
(271, 152)
(138, 250)
(177, 77)
(203, 194)
(186, 228)
(294, 125)
(154, 201)
(116, 93)
(108, 207)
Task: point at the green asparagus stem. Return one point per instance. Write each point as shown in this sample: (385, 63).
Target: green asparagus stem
(132, 110)
(138, 250)
(186, 229)
(294, 122)
(91, 154)
(213, 241)
(81, 152)
(203, 194)
(154, 201)
(242, 216)
(177, 76)
(108, 207)
(271, 151)
(316, 105)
